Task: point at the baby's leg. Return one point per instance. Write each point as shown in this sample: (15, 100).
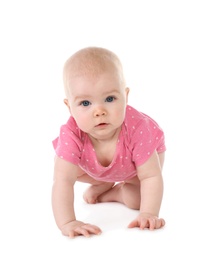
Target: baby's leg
(92, 194)
(96, 188)
(127, 193)
(123, 192)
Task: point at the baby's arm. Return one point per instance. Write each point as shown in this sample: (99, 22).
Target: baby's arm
(65, 176)
(151, 183)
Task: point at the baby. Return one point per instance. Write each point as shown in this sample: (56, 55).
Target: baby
(118, 150)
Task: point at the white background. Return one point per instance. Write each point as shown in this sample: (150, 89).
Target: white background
(165, 50)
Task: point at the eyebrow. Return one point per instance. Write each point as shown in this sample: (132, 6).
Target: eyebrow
(84, 97)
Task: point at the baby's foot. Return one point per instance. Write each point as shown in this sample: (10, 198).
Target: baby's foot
(94, 191)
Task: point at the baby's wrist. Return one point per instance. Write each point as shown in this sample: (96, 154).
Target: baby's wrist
(148, 214)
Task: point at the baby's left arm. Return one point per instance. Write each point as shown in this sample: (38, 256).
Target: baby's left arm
(151, 190)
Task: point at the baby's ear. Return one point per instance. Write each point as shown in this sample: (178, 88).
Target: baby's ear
(127, 90)
(67, 104)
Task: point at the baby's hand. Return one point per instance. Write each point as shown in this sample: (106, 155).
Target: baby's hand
(145, 220)
(77, 228)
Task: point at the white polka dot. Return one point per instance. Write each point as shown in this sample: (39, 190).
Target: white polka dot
(141, 133)
(73, 154)
(61, 156)
(141, 144)
(137, 155)
(157, 138)
(133, 127)
(148, 153)
(66, 143)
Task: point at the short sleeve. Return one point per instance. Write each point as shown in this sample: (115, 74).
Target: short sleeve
(68, 144)
(147, 138)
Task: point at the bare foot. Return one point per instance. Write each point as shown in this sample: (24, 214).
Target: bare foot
(94, 191)
(125, 193)
(113, 194)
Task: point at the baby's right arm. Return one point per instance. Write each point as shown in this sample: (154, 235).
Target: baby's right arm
(65, 176)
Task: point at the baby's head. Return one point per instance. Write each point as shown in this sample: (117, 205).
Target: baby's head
(96, 95)
(91, 62)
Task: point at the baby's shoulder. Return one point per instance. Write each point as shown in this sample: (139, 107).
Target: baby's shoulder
(137, 120)
(133, 116)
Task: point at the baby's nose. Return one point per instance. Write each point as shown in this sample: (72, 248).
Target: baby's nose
(99, 112)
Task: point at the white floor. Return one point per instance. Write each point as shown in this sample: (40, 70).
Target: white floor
(28, 230)
(165, 50)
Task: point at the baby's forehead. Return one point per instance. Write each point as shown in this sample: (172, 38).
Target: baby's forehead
(90, 63)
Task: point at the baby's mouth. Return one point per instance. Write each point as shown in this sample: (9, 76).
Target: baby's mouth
(101, 125)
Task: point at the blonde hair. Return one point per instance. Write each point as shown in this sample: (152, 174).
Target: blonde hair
(91, 61)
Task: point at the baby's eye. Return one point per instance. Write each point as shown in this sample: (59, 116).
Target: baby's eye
(85, 103)
(110, 99)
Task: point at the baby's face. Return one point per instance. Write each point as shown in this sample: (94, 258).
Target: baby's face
(98, 104)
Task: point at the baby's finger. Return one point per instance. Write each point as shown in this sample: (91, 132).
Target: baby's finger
(133, 224)
(92, 229)
(163, 222)
(159, 223)
(152, 223)
(79, 231)
(73, 234)
(144, 223)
